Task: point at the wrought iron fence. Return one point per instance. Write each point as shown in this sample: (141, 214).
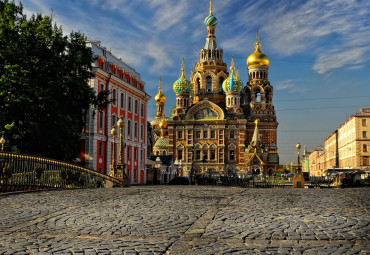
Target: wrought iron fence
(25, 172)
(250, 181)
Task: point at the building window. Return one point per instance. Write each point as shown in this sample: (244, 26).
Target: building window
(135, 153)
(258, 97)
(122, 101)
(129, 127)
(197, 134)
(114, 97)
(364, 122)
(129, 153)
(232, 155)
(220, 81)
(197, 154)
(364, 147)
(129, 104)
(213, 154)
(205, 134)
(213, 134)
(205, 155)
(100, 149)
(179, 134)
(232, 134)
(101, 87)
(135, 173)
(142, 131)
(365, 161)
(114, 120)
(209, 84)
(179, 154)
(101, 120)
(142, 110)
(136, 106)
(364, 134)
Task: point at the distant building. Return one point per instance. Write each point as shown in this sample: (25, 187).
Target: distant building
(129, 101)
(219, 126)
(346, 147)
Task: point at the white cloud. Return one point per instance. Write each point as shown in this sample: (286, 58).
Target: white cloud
(333, 26)
(338, 58)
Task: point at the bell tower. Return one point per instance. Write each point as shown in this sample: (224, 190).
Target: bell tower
(258, 94)
(210, 71)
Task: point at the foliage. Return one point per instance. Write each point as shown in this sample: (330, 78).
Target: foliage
(44, 88)
(179, 181)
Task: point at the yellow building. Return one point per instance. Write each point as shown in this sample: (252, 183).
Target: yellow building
(219, 126)
(347, 147)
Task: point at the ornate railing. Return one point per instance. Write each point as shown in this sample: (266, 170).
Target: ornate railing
(26, 172)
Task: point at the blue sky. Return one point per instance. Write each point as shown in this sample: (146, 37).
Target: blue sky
(319, 51)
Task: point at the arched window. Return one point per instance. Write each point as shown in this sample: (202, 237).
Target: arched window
(129, 127)
(267, 96)
(198, 86)
(258, 96)
(232, 155)
(209, 84)
(220, 81)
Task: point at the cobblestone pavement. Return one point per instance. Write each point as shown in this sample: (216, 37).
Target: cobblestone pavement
(186, 220)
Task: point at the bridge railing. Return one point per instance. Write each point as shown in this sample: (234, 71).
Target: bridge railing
(23, 172)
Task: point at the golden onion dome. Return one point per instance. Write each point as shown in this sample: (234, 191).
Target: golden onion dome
(163, 124)
(258, 58)
(160, 98)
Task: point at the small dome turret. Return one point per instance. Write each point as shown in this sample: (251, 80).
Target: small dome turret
(210, 20)
(232, 83)
(258, 58)
(163, 124)
(160, 98)
(182, 85)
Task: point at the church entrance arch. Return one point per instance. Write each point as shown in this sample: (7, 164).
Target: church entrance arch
(256, 169)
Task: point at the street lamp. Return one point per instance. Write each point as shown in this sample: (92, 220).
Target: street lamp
(298, 146)
(2, 141)
(112, 172)
(121, 166)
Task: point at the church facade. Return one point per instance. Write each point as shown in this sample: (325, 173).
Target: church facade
(219, 125)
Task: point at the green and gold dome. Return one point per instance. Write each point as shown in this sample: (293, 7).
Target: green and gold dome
(182, 85)
(232, 83)
(210, 20)
(258, 58)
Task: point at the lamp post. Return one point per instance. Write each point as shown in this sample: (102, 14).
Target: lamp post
(121, 166)
(112, 172)
(298, 146)
(2, 141)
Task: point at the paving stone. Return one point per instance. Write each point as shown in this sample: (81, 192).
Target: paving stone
(186, 220)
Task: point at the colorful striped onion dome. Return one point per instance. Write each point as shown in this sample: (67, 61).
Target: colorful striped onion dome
(210, 20)
(232, 83)
(182, 85)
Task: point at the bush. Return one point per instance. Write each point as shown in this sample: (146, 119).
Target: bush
(179, 181)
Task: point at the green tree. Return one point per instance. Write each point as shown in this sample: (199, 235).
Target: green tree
(44, 88)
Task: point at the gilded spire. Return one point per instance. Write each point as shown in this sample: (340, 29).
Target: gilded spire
(183, 67)
(257, 44)
(210, 7)
(232, 67)
(256, 139)
(237, 72)
(160, 85)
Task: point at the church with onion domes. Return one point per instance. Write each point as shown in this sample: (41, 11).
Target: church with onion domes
(219, 125)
